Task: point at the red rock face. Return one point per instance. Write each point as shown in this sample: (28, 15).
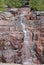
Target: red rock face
(11, 49)
(12, 40)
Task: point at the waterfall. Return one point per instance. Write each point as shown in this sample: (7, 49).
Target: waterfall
(26, 42)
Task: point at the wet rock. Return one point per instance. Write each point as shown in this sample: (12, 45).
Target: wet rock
(9, 55)
(17, 38)
(14, 11)
(5, 15)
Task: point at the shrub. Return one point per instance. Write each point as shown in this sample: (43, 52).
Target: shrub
(37, 4)
(1, 5)
(13, 3)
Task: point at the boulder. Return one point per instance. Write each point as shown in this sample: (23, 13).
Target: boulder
(5, 15)
(14, 11)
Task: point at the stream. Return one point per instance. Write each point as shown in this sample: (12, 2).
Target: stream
(26, 41)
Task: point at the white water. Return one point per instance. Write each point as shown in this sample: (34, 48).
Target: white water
(26, 42)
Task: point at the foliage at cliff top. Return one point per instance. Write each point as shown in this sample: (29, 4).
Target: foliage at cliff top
(11, 3)
(1, 5)
(37, 4)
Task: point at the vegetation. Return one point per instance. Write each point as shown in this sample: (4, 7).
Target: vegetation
(15, 3)
(1, 5)
(23, 2)
(11, 3)
(37, 4)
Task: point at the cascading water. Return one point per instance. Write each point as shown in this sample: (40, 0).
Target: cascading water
(26, 42)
